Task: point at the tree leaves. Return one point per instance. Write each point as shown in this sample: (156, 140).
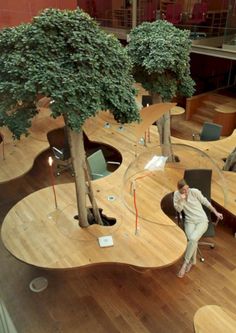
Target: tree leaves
(160, 56)
(66, 56)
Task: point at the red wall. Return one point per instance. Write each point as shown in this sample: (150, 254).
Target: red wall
(14, 12)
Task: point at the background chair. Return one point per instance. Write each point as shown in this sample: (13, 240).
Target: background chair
(209, 132)
(230, 162)
(173, 13)
(63, 160)
(146, 100)
(199, 14)
(201, 179)
(98, 165)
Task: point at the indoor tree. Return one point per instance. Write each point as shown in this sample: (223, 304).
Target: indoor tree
(160, 57)
(65, 56)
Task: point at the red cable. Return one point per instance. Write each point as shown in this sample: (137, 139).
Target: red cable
(3, 150)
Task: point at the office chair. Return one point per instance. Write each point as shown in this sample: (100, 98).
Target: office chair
(149, 12)
(199, 14)
(209, 132)
(173, 13)
(201, 179)
(63, 160)
(98, 165)
(146, 100)
(230, 162)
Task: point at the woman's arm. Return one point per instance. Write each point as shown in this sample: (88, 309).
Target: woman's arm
(178, 201)
(206, 203)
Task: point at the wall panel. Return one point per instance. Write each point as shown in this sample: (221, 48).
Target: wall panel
(14, 12)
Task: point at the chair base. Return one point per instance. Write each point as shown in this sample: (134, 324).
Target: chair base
(210, 244)
(64, 167)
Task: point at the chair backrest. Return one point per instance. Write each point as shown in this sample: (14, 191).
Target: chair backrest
(201, 179)
(61, 154)
(97, 163)
(146, 100)
(173, 12)
(149, 13)
(199, 11)
(230, 163)
(58, 153)
(210, 132)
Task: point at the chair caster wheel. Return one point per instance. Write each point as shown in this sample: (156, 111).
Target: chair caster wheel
(202, 259)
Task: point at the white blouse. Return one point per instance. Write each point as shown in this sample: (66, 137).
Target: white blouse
(192, 207)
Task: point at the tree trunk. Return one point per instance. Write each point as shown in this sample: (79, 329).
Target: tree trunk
(76, 142)
(96, 212)
(78, 156)
(163, 125)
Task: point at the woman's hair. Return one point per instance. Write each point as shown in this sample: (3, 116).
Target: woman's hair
(181, 183)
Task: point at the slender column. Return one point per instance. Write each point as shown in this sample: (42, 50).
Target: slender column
(134, 13)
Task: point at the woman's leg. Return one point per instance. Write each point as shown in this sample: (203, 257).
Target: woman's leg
(193, 232)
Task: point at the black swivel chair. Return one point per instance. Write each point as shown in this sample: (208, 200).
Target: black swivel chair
(201, 179)
(63, 160)
(146, 100)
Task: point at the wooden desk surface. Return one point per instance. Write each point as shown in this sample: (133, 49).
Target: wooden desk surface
(226, 108)
(214, 319)
(51, 238)
(20, 154)
(224, 193)
(177, 110)
(34, 232)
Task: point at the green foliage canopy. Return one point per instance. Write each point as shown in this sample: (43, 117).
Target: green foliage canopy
(160, 56)
(63, 55)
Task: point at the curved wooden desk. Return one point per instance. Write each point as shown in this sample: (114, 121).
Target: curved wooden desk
(51, 238)
(214, 319)
(20, 154)
(225, 115)
(176, 111)
(38, 235)
(217, 150)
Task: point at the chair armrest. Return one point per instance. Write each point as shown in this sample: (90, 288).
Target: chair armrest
(113, 162)
(216, 222)
(97, 174)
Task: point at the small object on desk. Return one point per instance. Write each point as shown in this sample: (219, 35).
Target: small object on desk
(111, 197)
(142, 141)
(105, 241)
(107, 125)
(121, 128)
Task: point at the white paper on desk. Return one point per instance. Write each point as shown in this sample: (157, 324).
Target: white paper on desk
(156, 163)
(105, 241)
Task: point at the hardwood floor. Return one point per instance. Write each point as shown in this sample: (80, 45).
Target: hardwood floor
(112, 298)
